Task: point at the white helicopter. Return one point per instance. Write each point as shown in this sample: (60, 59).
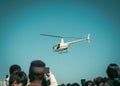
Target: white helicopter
(64, 46)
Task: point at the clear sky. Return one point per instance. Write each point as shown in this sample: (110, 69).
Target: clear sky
(22, 22)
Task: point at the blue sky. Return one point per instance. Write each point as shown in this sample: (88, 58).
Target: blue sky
(22, 22)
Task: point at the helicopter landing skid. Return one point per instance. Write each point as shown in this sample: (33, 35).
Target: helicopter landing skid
(61, 52)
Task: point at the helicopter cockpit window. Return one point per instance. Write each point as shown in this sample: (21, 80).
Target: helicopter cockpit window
(58, 46)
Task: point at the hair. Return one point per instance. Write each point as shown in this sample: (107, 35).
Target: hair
(113, 71)
(89, 83)
(62, 84)
(18, 77)
(36, 70)
(75, 84)
(14, 68)
(68, 84)
(98, 80)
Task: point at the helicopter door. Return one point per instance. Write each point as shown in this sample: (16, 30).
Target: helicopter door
(58, 46)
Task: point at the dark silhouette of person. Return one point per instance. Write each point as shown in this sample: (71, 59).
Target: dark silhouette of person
(14, 68)
(113, 73)
(18, 79)
(36, 73)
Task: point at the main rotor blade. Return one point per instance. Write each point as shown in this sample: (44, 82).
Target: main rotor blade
(59, 36)
(52, 35)
(73, 37)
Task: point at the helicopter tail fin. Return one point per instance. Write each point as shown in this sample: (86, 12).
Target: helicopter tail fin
(88, 38)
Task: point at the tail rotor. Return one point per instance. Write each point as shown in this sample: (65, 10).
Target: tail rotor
(88, 38)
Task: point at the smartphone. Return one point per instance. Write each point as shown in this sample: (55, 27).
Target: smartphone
(83, 82)
(47, 70)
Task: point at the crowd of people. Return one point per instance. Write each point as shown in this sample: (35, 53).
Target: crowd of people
(39, 77)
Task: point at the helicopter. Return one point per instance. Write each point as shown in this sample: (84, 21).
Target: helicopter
(65, 45)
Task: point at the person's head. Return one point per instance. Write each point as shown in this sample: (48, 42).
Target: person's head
(68, 84)
(36, 70)
(75, 84)
(98, 80)
(14, 68)
(89, 83)
(18, 79)
(113, 71)
(62, 84)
